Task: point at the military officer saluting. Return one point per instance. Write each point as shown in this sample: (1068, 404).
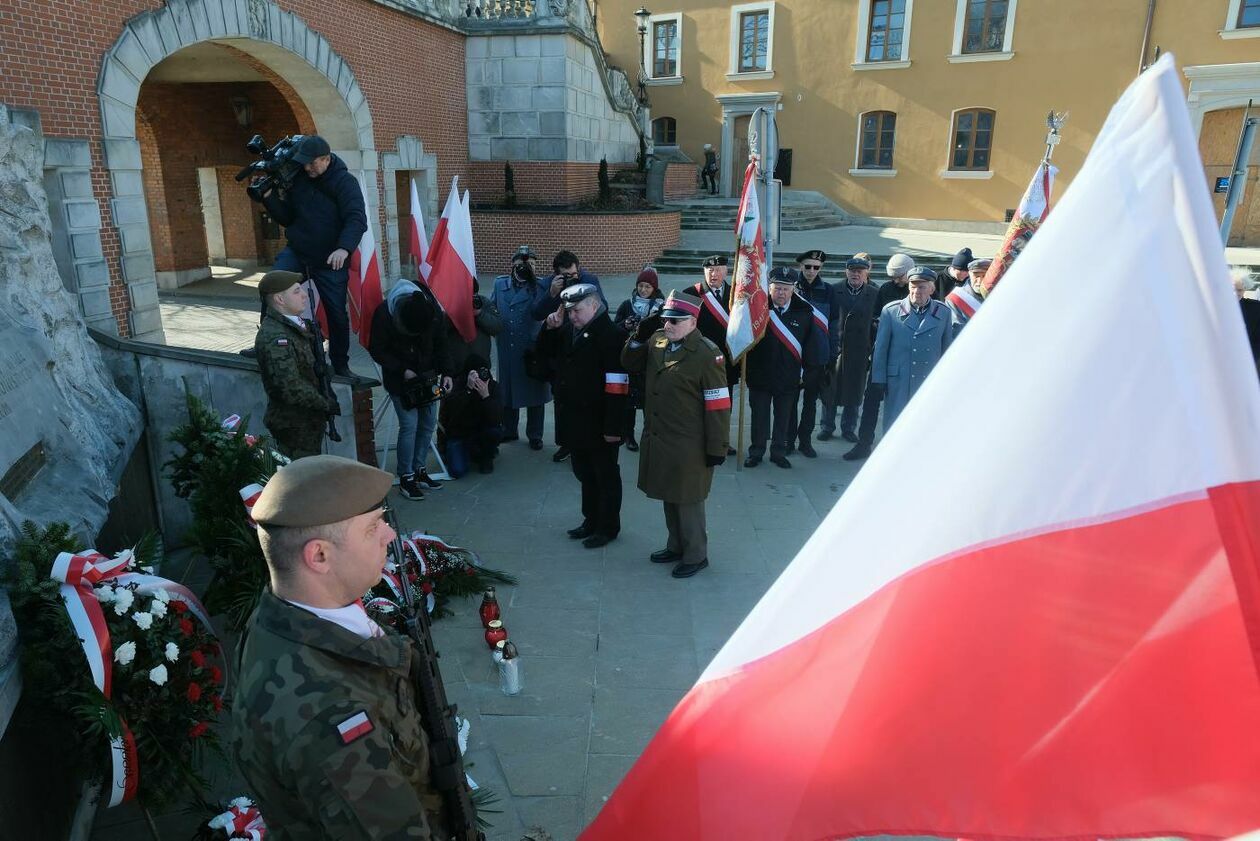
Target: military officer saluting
(793, 343)
(297, 409)
(913, 335)
(326, 730)
(687, 425)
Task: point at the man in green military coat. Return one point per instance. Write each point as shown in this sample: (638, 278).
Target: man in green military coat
(686, 428)
(326, 729)
(296, 408)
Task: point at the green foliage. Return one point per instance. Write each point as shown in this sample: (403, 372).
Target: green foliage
(509, 185)
(605, 189)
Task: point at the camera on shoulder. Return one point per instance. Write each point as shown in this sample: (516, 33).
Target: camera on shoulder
(275, 165)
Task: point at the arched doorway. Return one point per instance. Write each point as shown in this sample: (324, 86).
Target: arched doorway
(232, 49)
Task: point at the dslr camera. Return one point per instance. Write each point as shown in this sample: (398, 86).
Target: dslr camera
(274, 164)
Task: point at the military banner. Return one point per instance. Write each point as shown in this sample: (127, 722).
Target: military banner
(750, 297)
(1031, 212)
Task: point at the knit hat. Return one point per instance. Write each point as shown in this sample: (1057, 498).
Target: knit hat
(649, 276)
(899, 265)
(961, 259)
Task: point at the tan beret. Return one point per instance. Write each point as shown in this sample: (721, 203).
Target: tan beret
(318, 490)
(277, 281)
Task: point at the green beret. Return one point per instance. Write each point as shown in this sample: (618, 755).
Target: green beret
(277, 281)
(319, 490)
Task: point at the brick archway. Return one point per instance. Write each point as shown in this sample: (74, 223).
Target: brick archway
(276, 38)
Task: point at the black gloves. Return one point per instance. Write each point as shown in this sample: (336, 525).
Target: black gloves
(714, 461)
(647, 327)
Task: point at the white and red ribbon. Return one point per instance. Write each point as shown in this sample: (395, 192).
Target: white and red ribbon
(716, 399)
(715, 308)
(784, 335)
(80, 573)
(241, 821)
(615, 383)
(249, 496)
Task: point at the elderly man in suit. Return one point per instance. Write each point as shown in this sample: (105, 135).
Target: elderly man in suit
(913, 335)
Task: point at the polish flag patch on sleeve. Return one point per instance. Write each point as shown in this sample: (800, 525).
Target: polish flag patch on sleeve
(354, 727)
(717, 398)
(616, 383)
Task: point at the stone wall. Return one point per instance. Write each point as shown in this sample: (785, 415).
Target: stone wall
(541, 97)
(547, 184)
(607, 243)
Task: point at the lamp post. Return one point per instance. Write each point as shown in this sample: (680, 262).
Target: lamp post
(641, 16)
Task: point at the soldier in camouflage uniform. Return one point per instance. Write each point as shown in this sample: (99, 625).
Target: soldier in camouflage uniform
(326, 729)
(296, 408)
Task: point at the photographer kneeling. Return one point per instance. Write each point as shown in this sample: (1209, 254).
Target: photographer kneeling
(473, 419)
(324, 218)
(409, 343)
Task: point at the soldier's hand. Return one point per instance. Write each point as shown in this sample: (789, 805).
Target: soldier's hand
(647, 327)
(714, 461)
(337, 259)
(554, 320)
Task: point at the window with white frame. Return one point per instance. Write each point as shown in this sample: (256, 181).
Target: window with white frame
(883, 34)
(752, 40)
(662, 48)
(1242, 20)
(983, 29)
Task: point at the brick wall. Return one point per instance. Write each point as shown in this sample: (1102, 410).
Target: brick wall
(53, 51)
(546, 184)
(240, 217)
(680, 180)
(607, 243)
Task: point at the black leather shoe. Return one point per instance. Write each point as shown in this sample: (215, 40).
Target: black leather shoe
(826, 435)
(688, 570)
(597, 540)
(730, 451)
(781, 461)
(581, 531)
(808, 450)
(859, 452)
(851, 437)
(535, 444)
(665, 556)
(560, 455)
(512, 437)
(790, 449)
(752, 461)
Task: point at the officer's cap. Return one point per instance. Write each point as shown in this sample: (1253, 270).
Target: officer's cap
(783, 276)
(962, 259)
(858, 261)
(814, 254)
(681, 305)
(577, 292)
(277, 281)
(921, 273)
(899, 264)
(714, 260)
(309, 148)
(524, 253)
(981, 265)
(320, 490)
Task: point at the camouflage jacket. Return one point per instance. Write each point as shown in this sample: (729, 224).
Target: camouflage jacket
(326, 730)
(286, 358)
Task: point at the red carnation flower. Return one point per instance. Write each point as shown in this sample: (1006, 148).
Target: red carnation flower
(218, 703)
(194, 692)
(198, 730)
(216, 674)
(178, 606)
(426, 588)
(198, 659)
(186, 627)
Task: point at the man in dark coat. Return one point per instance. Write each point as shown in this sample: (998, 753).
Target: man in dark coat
(715, 295)
(324, 218)
(775, 366)
(687, 427)
(821, 296)
(896, 288)
(513, 298)
(472, 417)
(954, 275)
(591, 388)
(566, 271)
(856, 299)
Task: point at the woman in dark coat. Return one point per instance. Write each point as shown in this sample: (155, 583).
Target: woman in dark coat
(646, 300)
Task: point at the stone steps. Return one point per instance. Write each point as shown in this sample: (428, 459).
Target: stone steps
(710, 216)
(686, 261)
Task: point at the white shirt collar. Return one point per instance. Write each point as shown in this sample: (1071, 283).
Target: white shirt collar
(297, 319)
(352, 617)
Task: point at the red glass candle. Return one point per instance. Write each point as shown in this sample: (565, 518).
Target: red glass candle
(489, 609)
(495, 632)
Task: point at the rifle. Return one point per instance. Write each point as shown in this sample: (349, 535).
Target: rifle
(322, 377)
(446, 764)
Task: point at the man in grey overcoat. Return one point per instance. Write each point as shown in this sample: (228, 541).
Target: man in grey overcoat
(513, 297)
(913, 335)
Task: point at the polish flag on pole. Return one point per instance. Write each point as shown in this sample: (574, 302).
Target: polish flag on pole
(1074, 654)
(1032, 211)
(451, 256)
(419, 241)
(364, 286)
(750, 307)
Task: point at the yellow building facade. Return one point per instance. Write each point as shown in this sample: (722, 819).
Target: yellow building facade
(931, 109)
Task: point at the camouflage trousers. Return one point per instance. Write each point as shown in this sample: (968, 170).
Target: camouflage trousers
(299, 441)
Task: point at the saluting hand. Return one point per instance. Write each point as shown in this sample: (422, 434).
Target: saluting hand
(554, 320)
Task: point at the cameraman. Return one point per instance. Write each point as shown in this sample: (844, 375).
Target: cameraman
(324, 218)
(565, 272)
(473, 419)
(409, 343)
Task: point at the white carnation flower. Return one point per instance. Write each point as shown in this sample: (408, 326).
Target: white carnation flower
(147, 570)
(157, 608)
(242, 803)
(125, 653)
(122, 601)
(144, 620)
(161, 595)
(158, 675)
(104, 595)
(125, 555)
(172, 652)
(225, 822)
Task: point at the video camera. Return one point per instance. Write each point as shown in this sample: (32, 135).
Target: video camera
(276, 165)
(422, 390)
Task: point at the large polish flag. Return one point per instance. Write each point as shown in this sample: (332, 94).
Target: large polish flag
(451, 256)
(1069, 653)
(419, 248)
(364, 285)
(750, 296)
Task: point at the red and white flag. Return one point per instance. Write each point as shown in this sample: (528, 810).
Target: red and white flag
(364, 287)
(750, 307)
(1072, 654)
(419, 239)
(454, 268)
(1032, 211)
